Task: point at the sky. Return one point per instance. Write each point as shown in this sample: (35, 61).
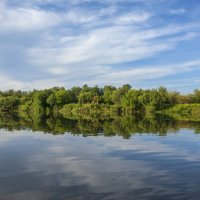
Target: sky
(66, 43)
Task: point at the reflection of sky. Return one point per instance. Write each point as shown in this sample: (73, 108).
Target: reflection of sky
(37, 166)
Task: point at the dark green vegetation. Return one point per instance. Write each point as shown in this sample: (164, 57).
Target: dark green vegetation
(107, 102)
(125, 126)
(185, 112)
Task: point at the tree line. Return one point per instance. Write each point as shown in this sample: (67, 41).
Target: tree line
(124, 98)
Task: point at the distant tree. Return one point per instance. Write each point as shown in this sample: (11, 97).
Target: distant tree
(131, 99)
(75, 91)
(63, 97)
(119, 93)
(39, 101)
(107, 94)
(85, 88)
(51, 100)
(86, 97)
(196, 96)
(126, 87)
(9, 103)
(173, 97)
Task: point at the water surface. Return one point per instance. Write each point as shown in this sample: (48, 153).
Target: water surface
(151, 163)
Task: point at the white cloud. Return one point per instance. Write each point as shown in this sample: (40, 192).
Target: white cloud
(57, 70)
(145, 73)
(26, 19)
(101, 75)
(7, 83)
(109, 45)
(80, 44)
(178, 11)
(34, 18)
(131, 18)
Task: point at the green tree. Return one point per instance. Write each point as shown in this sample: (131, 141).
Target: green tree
(9, 103)
(131, 99)
(51, 100)
(119, 93)
(75, 91)
(86, 97)
(107, 94)
(196, 96)
(63, 97)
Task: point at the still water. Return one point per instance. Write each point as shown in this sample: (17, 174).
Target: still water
(38, 165)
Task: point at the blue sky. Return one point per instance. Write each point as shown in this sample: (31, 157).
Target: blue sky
(146, 43)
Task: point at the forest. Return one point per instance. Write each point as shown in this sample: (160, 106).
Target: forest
(104, 102)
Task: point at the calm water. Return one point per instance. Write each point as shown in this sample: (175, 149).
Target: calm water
(155, 162)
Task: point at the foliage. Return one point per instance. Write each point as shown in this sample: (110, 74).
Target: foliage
(185, 111)
(9, 103)
(124, 126)
(94, 101)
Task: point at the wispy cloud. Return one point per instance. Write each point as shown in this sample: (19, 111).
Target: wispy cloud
(73, 42)
(110, 45)
(178, 11)
(142, 73)
(131, 18)
(26, 19)
(103, 75)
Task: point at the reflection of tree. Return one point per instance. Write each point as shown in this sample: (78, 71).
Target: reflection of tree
(122, 126)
